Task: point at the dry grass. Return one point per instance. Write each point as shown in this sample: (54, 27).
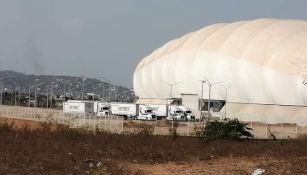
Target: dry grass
(56, 149)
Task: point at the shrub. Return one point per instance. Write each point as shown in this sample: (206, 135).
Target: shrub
(173, 131)
(145, 130)
(225, 129)
(6, 127)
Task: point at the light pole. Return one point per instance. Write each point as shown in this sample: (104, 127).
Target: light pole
(201, 98)
(110, 86)
(114, 89)
(19, 91)
(15, 100)
(2, 84)
(29, 95)
(36, 80)
(47, 97)
(51, 93)
(83, 88)
(226, 96)
(64, 91)
(210, 84)
(102, 87)
(171, 90)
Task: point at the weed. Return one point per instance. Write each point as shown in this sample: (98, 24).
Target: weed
(225, 129)
(145, 130)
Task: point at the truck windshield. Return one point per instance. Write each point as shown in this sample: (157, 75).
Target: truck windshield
(188, 112)
(149, 111)
(178, 112)
(105, 108)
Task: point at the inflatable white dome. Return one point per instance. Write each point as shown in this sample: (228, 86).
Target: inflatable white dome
(264, 60)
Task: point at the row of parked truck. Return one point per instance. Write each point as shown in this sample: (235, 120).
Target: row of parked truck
(129, 110)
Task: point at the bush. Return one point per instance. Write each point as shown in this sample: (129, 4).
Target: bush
(145, 130)
(173, 131)
(4, 127)
(225, 129)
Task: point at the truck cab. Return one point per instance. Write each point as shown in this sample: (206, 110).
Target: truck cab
(146, 113)
(175, 113)
(103, 109)
(187, 113)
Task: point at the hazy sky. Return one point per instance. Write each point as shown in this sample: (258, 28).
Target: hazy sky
(108, 38)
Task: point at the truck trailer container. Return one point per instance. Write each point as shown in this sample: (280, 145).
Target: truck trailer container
(133, 111)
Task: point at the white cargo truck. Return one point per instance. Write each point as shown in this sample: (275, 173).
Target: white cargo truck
(171, 112)
(175, 113)
(78, 107)
(133, 111)
(187, 113)
(160, 110)
(101, 109)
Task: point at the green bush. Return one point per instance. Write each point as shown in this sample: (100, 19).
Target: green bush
(225, 129)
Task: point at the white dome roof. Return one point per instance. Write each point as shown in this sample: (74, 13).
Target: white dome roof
(262, 59)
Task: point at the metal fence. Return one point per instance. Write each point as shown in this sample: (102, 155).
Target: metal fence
(117, 124)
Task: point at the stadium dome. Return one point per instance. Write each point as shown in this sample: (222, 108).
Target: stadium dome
(263, 60)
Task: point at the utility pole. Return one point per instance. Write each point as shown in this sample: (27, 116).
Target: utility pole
(36, 80)
(15, 102)
(51, 93)
(171, 90)
(2, 84)
(171, 97)
(110, 86)
(47, 98)
(19, 94)
(226, 98)
(209, 95)
(83, 88)
(201, 99)
(64, 92)
(29, 95)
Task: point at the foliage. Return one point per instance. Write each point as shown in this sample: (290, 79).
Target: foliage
(4, 127)
(173, 130)
(226, 129)
(145, 130)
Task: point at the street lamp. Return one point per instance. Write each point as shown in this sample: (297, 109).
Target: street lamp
(210, 84)
(83, 88)
(36, 80)
(114, 89)
(2, 86)
(171, 90)
(201, 98)
(29, 95)
(51, 93)
(110, 86)
(226, 96)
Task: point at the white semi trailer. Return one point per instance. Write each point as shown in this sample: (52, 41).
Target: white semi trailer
(171, 112)
(78, 107)
(160, 110)
(133, 111)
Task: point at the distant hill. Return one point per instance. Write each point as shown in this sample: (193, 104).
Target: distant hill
(15, 81)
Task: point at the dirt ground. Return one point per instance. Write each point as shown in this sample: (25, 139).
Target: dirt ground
(223, 166)
(141, 155)
(18, 123)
